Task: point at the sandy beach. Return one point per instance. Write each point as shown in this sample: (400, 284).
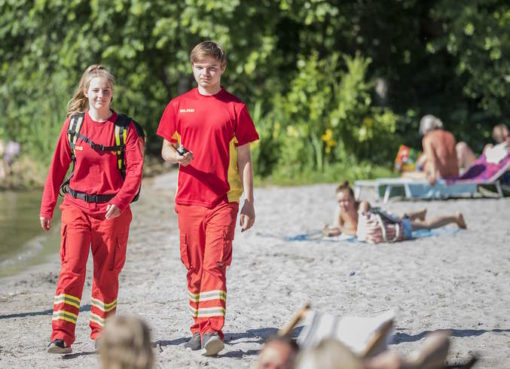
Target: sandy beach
(458, 281)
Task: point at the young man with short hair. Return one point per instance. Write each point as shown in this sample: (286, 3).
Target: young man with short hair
(207, 131)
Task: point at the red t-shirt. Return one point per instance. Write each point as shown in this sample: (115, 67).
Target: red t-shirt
(95, 172)
(211, 126)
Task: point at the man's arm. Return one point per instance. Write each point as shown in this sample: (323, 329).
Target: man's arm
(247, 217)
(430, 165)
(169, 153)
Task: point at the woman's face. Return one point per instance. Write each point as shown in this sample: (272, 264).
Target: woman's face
(345, 201)
(99, 93)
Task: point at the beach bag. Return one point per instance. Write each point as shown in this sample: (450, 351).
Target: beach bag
(377, 225)
(406, 159)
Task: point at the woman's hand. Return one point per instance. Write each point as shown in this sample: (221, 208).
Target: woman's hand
(45, 223)
(112, 211)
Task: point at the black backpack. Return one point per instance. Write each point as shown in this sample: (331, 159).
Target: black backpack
(121, 128)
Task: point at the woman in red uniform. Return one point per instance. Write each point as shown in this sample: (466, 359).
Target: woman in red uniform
(95, 210)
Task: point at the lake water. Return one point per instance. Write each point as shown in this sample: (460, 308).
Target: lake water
(22, 241)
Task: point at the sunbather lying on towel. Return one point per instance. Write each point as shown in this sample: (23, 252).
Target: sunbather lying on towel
(332, 354)
(376, 225)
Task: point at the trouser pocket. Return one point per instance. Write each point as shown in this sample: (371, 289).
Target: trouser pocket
(184, 246)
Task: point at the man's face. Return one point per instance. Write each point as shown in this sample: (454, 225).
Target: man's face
(207, 72)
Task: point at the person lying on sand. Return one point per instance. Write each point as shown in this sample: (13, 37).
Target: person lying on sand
(376, 225)
(332, 354)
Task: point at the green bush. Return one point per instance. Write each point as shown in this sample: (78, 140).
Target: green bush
(326, 125)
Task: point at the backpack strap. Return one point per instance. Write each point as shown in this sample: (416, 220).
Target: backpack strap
(73, 131)
(121, 128)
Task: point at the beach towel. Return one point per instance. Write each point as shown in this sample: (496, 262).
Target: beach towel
(317, 236)
(353, 331)
(484, 170)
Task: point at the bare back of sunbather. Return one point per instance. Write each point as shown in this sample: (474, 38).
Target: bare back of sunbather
(439, 148)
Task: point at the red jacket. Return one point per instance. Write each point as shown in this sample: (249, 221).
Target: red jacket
(95, 172)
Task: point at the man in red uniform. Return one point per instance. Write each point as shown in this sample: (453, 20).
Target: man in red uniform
(215, 129)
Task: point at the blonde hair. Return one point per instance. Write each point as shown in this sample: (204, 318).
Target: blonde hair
(126, 344)
(79, 102)
(208, 48)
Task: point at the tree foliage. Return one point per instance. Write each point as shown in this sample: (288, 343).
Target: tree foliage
(308, 69)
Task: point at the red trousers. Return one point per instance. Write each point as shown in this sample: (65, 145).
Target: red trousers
(108, 240)
(206, 250)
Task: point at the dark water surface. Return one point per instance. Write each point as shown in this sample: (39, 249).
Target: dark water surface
(22, 241)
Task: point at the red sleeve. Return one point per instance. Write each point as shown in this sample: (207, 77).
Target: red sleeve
(168, 124)
(56, 174)
(245, 129)
(133, 156)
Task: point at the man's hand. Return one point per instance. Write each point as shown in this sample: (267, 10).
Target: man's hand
(112, 211)
(185, 159)
(45, 223)
(431, 178)
(247, 217)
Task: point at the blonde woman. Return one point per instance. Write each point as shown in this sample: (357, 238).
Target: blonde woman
(105, 178)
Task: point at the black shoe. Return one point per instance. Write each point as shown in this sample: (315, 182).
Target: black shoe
(58, 346)
(194, 343)
(211, 344)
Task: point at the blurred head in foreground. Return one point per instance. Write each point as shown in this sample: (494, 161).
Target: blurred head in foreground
(126, 344)
(277, 353)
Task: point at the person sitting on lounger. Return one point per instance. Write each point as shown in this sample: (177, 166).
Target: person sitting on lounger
(493, 152)
(439, 150)
(376, 225)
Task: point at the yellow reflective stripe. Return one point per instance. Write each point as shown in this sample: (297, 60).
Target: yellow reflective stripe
(67, 299)
(194, 312)
(104, 307)
(208, 296)
(65, 315)
(97, 319)
(213, 295)
(210, 312)
(195, 297)
(233, 177)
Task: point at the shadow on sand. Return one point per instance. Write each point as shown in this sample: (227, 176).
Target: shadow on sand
(404, 337)
(36, 313)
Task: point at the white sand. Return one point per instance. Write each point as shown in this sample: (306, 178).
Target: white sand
(458, 281)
